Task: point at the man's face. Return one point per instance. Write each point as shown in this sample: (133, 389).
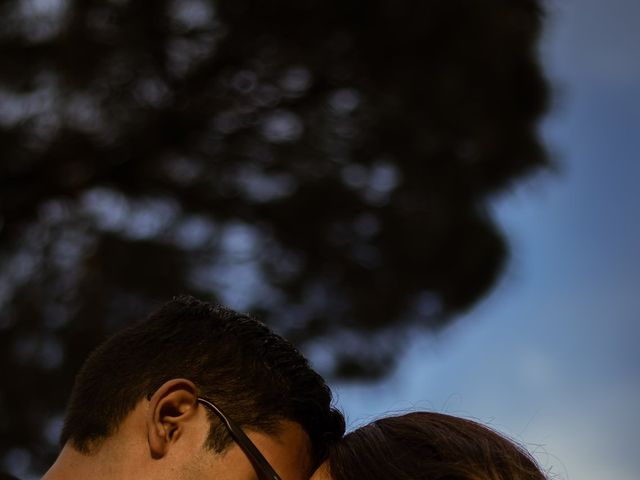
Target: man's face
(322, 473)
(287, 451)
(172, 427)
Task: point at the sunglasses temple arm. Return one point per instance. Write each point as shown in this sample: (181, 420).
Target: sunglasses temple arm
(243, 441)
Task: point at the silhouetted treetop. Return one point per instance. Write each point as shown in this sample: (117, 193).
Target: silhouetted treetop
(326, 164)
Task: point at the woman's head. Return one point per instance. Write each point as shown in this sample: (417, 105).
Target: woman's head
(427, 446)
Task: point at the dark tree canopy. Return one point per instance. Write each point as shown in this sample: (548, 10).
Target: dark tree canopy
(326, 164)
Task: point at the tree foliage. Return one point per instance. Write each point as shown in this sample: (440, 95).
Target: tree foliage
(326, 164)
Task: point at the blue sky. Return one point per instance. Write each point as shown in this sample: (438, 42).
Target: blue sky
(551, 357)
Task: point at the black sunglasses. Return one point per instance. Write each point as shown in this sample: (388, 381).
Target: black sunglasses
(263, 469)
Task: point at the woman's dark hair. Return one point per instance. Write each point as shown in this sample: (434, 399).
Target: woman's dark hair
(429, 446)
(254, 375)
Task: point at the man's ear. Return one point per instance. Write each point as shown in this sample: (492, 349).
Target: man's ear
(170, 407)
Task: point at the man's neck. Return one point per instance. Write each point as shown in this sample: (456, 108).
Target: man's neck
(105, 464)
(119, 456)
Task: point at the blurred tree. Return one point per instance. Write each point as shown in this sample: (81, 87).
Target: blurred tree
(326, 164)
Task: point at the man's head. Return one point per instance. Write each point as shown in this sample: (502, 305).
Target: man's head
(148, 379)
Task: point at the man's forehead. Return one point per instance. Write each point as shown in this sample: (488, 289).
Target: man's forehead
(322, 473)
(288, 450)
(286, 447)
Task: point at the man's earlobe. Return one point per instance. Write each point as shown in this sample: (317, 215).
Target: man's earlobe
(170, 406)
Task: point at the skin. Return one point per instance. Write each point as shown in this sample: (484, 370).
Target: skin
(322, 473)
(164, 438)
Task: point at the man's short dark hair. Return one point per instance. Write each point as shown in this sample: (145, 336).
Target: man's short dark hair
(254, 375)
